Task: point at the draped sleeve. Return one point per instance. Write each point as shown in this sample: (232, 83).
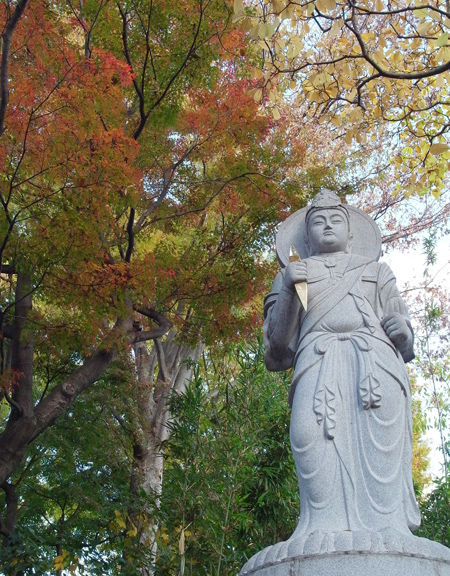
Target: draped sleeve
(275, 363)
(392, 303)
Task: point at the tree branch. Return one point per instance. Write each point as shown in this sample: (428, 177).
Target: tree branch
(57, 401)
(167, 179)
(435, 71)
(164, 324)
(6, 331)
(7, 526)
(185, 61)
(130, 233)
(390, 12)
(205, 205)
(140, 94)
(6, 45)
(163, 372)
(13, 403)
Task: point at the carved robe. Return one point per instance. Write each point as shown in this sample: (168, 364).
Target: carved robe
(351, 431)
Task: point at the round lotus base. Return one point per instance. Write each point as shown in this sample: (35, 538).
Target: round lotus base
(361, 553)
(356, 564)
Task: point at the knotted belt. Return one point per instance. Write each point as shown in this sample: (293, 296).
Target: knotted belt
(327, 386)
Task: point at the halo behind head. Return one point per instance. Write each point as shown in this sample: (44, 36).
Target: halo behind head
(366, 235)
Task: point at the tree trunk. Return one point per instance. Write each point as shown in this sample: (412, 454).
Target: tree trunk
(166, 369)
(27, 421)
(8, 523)
(21, 422)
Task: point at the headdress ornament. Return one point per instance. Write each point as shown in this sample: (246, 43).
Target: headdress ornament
(326, 199)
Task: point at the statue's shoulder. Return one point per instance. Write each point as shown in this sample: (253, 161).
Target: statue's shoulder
(358, 261)
(385, 274)
(372, 270)
(276, 287)
(277, 283)
(369, 270)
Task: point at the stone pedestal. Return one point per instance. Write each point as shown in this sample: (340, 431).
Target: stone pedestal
(385, 553)
(356, 564)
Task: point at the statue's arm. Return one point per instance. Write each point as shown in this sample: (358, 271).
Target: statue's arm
(395, 321)
(281, 324)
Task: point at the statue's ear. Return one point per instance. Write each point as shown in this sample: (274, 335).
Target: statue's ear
(307, 246)
(350, 242)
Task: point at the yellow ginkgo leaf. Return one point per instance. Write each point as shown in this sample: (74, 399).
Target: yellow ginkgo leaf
(238, 7)
(442, 40)
(438, 148)
(325, 5)
(278, 5)
(257, 95)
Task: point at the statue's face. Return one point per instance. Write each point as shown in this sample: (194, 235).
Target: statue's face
(328, 231)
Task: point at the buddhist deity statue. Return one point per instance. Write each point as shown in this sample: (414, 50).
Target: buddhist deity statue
(347, 341)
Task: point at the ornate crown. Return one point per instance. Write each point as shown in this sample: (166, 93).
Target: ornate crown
(326, 199)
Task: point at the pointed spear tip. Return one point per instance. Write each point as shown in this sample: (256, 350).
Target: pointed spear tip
(294, 256)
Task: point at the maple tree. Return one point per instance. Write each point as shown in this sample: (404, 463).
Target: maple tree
(360, 66)
(137, 190)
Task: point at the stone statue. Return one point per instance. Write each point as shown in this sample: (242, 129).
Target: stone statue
(351, 432)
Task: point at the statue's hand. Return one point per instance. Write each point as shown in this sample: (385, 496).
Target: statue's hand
(295, 272)
(397, 329)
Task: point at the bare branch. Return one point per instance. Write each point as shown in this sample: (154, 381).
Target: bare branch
(139, 92)
(130, 233)
(392, 11)
(425, 73)
(164, 324)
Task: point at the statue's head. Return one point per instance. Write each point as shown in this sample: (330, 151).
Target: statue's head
(357, 232)
(327, 224)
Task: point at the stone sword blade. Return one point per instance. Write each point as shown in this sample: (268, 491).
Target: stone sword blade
(300, 287)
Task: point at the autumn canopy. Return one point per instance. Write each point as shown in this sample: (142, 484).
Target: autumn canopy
(147, 151)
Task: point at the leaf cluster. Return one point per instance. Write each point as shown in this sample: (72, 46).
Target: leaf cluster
(229, 481)
(362, 66)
